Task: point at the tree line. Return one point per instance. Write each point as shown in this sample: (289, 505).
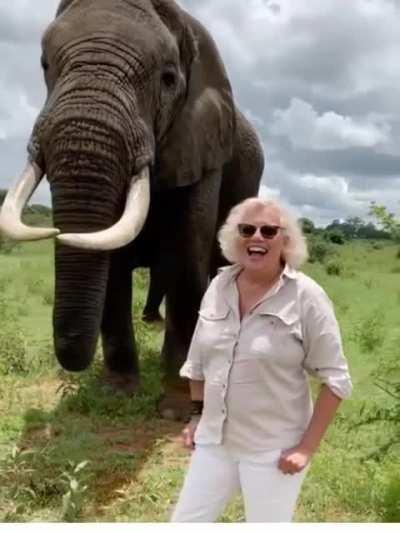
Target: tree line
(340, 231)
(337, 232)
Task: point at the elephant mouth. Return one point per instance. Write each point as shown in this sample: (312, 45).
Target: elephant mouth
(124, 231)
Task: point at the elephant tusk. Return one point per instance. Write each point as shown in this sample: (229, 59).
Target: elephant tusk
(15, 201)
(127, 228)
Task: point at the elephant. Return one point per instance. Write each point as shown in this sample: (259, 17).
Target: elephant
(157, 287)
(155, 295)
(145, 152)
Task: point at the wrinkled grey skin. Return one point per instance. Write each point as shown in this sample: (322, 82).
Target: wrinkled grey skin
(134, 83)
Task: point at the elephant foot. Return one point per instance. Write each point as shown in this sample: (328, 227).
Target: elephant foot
(126, 383)
(175, 403)
(152, 316)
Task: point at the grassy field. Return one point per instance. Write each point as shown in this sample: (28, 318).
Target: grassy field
(70, 451)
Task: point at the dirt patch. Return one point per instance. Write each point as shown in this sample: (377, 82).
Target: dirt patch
(141, 438)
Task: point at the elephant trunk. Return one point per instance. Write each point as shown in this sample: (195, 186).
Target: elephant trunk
(88, 170)
(80, 288)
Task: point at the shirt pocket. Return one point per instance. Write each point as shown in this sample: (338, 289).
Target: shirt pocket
(215, 327)
(279, 337)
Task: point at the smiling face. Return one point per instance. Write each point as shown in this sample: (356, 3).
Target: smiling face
(258, 253)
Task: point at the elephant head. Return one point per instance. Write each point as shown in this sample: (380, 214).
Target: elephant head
(135, 89)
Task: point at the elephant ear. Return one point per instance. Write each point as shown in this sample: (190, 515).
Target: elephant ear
(200, 140)
(64, 5)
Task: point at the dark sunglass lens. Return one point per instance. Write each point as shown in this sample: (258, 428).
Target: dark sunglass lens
(269, 231)
(246, 230)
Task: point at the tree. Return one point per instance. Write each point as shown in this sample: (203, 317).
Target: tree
(307, 225)
(335, 235)
(388, 220)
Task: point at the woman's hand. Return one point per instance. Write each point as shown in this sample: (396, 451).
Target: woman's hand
(188, 432)
(294, 460)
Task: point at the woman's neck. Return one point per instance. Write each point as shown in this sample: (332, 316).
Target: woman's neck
(264, 278)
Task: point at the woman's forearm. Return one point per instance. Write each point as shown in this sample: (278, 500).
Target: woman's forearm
(324, 412)
(196, 389)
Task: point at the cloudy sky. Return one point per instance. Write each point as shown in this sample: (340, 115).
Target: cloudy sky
(319, 79)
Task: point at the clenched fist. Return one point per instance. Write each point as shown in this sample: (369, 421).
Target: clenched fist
(294, 460)
(188, 432)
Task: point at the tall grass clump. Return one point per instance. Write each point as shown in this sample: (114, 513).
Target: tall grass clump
(334, 268)
(13, 351)
(369, 333)
(7, 246)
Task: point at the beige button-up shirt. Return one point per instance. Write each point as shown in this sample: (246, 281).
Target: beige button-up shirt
(256, 391)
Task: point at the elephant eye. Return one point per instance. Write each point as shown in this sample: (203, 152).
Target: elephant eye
(169, 79)
(44, 63)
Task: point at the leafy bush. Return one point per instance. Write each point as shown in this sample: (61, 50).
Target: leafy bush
(391, 500)
(369, 333)
(76, 489)
(318, 250)
(335, 236)
(334, 268)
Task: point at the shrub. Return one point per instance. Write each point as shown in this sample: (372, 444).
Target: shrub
(335, 236)
(319, 250)
(333, 268)
(391, 500)
(369, 333)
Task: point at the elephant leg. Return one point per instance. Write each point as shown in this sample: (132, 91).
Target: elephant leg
(155, 295)
(187, 283)
(119, 348)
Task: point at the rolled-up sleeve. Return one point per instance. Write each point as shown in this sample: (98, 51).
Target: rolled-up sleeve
(193, 368)
(323, 345)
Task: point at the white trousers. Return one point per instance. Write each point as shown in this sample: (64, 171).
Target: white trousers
(215, 476)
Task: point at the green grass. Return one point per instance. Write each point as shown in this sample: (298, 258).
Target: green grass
(71, 451)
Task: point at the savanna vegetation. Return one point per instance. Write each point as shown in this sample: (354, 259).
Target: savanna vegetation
(71, 451)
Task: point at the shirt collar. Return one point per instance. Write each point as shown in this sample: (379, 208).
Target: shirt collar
(289, 272)
(231, 271)
(229, 290)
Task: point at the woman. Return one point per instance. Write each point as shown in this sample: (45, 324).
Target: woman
(262, 327)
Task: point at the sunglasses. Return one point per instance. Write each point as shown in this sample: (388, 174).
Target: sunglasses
(267, 231)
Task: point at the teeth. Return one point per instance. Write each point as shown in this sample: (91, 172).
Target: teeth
(256, 250)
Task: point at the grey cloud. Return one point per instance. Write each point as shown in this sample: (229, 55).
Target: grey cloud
(22, 22)
(336, 55)
(357, 161)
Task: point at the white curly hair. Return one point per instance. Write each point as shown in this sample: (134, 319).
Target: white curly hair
(295, 247)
